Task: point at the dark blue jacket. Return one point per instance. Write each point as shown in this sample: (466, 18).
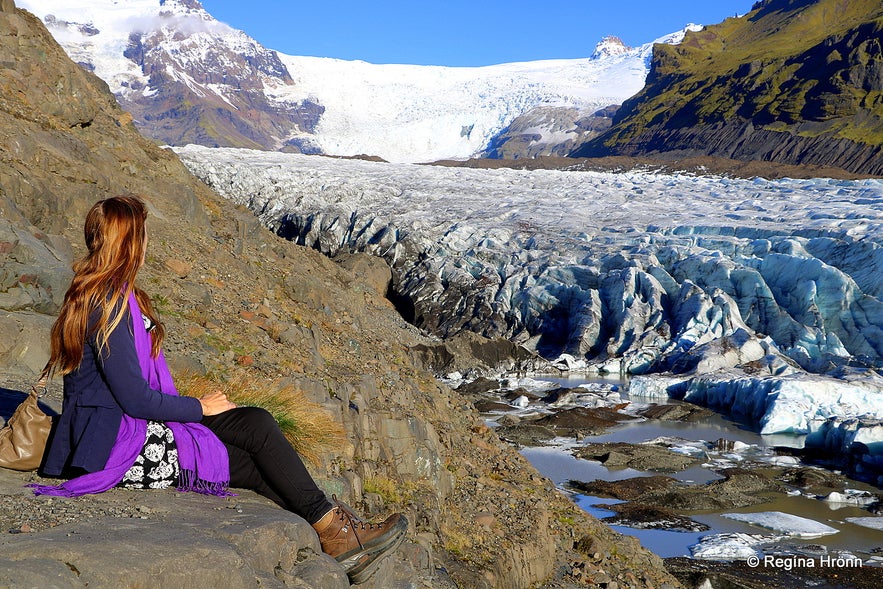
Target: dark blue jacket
(95, 397)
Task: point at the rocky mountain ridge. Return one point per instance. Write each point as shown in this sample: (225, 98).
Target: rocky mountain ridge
(790, 82)
(236, 298)
(181, 87)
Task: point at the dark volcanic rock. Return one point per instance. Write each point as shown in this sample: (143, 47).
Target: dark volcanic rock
(814, 480)
(740, 575)
(475, 355)
(626, 489)
(637, 456)
(679, 412)
(581, 421)
(648, 517)
(479, 385)
(554, 395)
(486, 406)
(739, 488)
(520, 392)
(526, 434)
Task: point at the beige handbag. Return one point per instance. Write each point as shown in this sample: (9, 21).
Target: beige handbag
(23, 438)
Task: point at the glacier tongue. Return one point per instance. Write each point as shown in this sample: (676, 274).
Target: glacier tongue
(646, 267)
(635, 272)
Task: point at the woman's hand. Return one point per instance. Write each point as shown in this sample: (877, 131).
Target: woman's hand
(214, 403)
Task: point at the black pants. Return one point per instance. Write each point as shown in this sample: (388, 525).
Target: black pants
(261, 459)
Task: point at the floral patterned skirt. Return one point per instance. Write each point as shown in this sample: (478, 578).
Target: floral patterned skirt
(157, 464)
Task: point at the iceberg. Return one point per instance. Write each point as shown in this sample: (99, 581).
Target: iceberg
(850, 497)
(731, 546)
(875, 523)
(784, 523)
(796, 403)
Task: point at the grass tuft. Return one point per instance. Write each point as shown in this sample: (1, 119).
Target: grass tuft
(306, 424)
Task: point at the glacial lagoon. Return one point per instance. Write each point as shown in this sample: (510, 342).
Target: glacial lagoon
(558, 464)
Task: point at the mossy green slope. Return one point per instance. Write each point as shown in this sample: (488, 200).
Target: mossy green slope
(796, 81)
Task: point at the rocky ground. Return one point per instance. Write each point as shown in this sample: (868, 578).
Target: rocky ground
(739, 575)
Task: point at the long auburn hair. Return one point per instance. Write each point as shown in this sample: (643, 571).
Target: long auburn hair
(116, 239)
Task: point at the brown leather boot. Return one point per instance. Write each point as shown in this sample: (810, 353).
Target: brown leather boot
(356, 545)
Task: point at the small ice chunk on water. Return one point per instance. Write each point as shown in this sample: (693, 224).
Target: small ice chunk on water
(733, 546)
(851, 497)
(784, 460)
(740, 446)
(520, 401)
(784, 523)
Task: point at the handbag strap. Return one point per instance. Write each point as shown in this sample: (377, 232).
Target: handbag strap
(39, 387)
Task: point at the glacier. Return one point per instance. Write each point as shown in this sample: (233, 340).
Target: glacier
(758, 297)
(405, 113)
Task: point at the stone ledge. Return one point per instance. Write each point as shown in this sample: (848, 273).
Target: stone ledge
(164, 538)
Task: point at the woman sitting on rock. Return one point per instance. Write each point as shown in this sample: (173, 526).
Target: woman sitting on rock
(124, 424)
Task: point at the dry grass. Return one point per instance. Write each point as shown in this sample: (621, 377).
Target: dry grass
(307, 425)
(386, 488)
(392, 491)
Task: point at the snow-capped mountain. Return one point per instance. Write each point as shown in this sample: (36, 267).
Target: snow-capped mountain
(188, 78)
(610, 46)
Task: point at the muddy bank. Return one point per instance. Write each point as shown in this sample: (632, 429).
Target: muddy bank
(692, 165)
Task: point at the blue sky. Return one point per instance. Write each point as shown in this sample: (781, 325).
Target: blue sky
(461, 32)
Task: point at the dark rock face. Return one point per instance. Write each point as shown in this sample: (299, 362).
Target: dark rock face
(470, 353)
(743, 141)
(521, 140)
(202, 91)
(789, 83)
(178, 113)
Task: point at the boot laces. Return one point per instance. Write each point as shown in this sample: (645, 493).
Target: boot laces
(354, 522)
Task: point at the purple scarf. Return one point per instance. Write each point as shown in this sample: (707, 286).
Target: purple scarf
(202, 457)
